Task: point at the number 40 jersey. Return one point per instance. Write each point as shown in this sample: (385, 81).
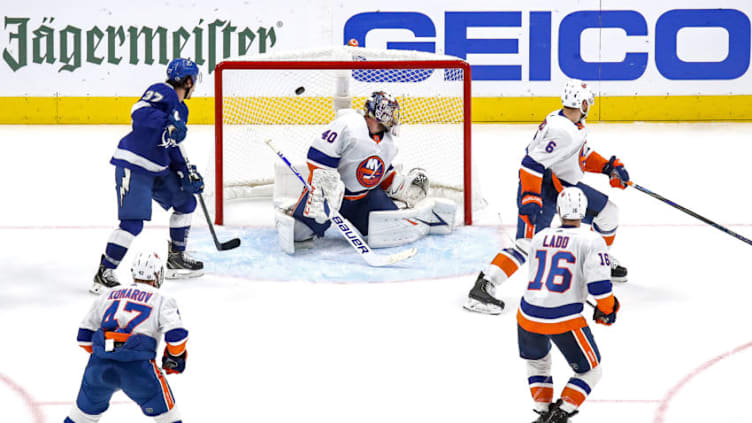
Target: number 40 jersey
(566, 264)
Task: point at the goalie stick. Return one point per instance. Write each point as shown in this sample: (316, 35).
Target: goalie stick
(221, 246)
(346, 228)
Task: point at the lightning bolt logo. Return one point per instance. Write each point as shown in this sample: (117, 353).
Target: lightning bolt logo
(125, 184)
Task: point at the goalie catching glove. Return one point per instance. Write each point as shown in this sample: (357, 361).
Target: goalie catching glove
(411, 188)
(327, 191)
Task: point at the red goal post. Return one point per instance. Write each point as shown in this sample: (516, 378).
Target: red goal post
(253, 109)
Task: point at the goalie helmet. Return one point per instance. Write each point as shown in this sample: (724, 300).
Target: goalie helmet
(384, 108)
(575, 92)
(179, 69)
(571, 204)
(147, 266)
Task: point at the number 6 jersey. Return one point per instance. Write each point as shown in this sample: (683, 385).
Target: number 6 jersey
(566, 264)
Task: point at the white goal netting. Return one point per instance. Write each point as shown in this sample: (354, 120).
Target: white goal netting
(291, 97)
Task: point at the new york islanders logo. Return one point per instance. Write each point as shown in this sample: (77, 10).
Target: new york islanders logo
(370, 171)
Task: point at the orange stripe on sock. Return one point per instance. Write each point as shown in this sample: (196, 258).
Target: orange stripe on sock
(506, 264)
(542, 394)
(529, 227)
(572, 396)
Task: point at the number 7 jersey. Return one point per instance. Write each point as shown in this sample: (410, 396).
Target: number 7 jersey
(566, 264)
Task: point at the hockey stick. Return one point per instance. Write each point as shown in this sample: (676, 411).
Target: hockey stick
(346, 229)
(689, 212)
(221, 246)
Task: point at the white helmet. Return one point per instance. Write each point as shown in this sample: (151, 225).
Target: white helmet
(571, 204)
(147, 266)
(575, 92)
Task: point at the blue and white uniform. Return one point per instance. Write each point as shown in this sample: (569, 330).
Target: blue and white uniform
(364, 163)
(122, 331)
(146, 165)
(566, 265)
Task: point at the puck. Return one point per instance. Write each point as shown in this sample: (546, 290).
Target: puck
(299, 90)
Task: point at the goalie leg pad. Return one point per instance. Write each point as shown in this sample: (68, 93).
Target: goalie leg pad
(290, 232)
(399, 227)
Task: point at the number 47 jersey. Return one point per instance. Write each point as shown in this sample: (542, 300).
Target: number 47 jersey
(135, 316)
(566, 264)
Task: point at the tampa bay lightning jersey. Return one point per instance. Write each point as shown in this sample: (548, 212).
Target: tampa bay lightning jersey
(145, 148)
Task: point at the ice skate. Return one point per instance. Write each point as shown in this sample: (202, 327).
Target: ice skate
(557, 415)
(618, 272)
(180, 265)
(105, 278)
(481, 299)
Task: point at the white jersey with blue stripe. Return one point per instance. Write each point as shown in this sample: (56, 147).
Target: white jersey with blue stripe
(566, 265)
(560, 145)
(138, 309)
(346, 145)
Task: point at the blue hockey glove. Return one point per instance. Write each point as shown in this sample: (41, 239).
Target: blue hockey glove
(616, 172)
(174, 364)
(531, 206)
(606, 319)
(191, 181)
(176, 129)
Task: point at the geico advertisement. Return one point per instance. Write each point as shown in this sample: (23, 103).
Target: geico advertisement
(630, 48)
(671, 47)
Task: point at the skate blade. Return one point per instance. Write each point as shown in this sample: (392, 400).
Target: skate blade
(621, 279)
(182, 273)
(97, 288)
(479, 307)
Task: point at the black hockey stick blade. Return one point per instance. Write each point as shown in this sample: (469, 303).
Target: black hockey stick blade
(228, 245)
(221, 246)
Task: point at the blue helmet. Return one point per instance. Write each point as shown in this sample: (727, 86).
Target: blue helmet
(179, 69)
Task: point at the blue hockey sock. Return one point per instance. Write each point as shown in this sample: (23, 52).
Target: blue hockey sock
(119, 242)
(180, 224)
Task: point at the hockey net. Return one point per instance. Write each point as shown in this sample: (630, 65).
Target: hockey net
(290, 98)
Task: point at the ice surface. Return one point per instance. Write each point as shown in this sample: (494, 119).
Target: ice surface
(322, 338)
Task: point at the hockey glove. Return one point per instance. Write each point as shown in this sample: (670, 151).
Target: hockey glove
(174, 364)
(191, 181)
(328, 192)
(176, 128)
(530, 206)
(615, 170)
(411, 188)
(606, 319)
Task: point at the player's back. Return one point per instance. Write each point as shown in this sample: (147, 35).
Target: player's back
(138, 314)
(563, 261)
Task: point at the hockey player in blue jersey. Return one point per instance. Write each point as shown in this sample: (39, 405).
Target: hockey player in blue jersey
(149, 166)
(122, 331)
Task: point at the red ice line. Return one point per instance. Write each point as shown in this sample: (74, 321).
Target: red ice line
(661, 411)
(36, 412)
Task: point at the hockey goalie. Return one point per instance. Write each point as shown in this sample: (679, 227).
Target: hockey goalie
(350, 170)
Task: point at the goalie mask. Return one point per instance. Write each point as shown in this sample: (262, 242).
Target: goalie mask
(147, 266)
(571, 204)
(385, 109)
(575, 92)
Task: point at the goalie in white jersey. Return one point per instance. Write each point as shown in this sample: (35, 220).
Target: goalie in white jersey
(557, 157)
(351, 169)
(122, 331)
(567, 264)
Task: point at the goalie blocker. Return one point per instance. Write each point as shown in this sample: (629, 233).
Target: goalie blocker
(375, 215)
